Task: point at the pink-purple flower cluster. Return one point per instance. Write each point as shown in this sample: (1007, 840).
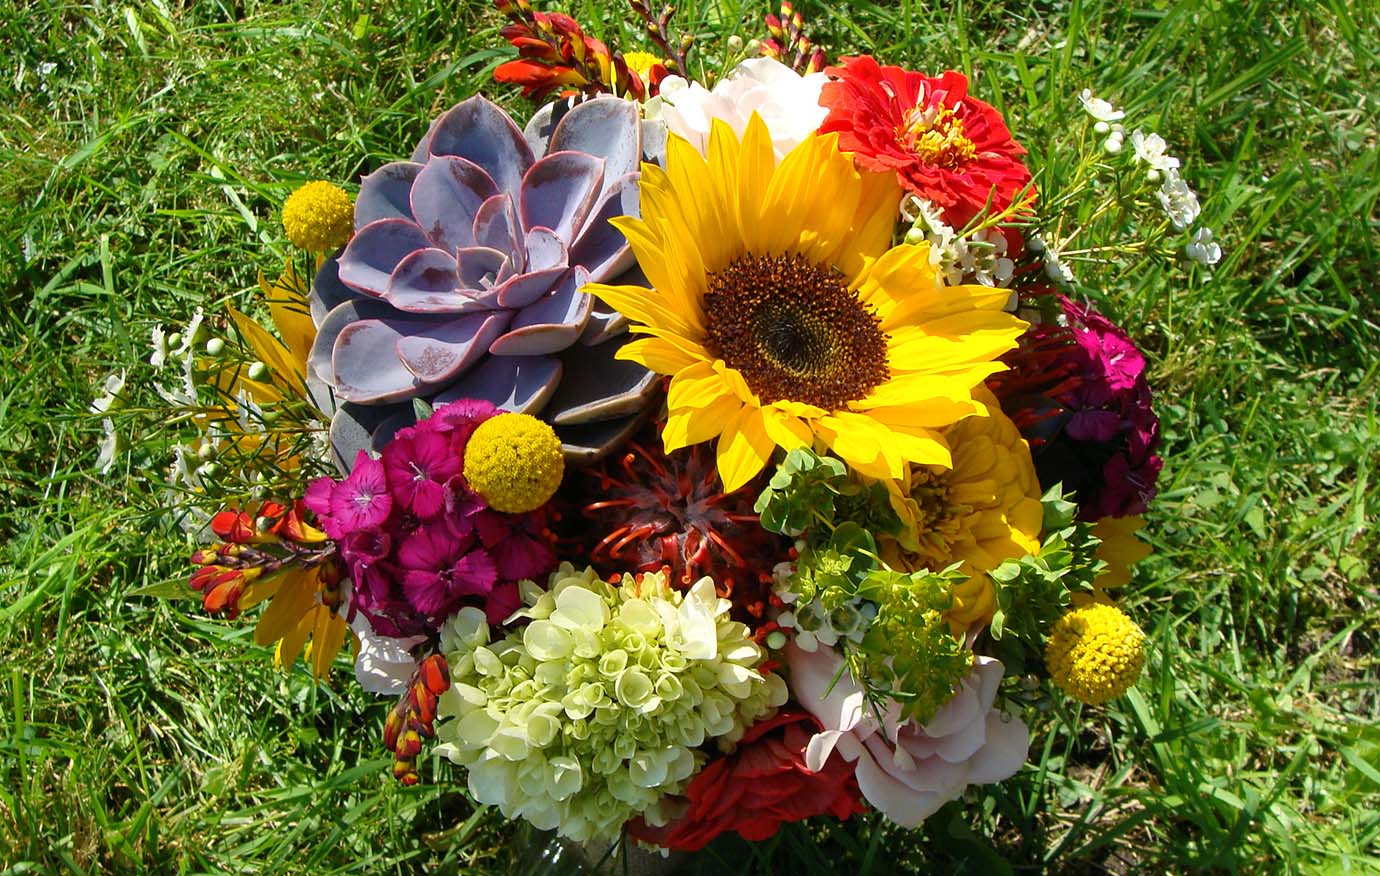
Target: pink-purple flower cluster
(1079, 395)
(419, 544)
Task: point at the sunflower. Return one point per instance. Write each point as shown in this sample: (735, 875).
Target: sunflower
(981, 512)
(785, 318)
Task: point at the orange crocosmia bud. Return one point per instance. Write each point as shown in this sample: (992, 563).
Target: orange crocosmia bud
(435, 674)
(425, 703)
(409, 744)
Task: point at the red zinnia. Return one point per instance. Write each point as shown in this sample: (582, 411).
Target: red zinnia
(759, 787)
(946, 147)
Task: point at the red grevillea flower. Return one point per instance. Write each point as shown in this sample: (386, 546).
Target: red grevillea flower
(759, 787)
(945, 146)
(646, 510)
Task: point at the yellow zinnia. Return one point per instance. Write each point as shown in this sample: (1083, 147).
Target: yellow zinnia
(786, 319)
(981, 512)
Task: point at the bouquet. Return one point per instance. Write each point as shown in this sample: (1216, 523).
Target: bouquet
(698, 454)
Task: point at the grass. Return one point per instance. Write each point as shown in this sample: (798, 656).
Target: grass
(147, 147)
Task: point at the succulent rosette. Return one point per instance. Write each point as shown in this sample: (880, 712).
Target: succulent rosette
(462, 278)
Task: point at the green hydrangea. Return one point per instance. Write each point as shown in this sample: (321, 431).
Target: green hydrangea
(595, 710)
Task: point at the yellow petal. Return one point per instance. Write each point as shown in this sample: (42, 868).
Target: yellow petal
(296, 595)
(259, 591)
(657, 354)
(878, 201)
(326, 639)
(697, 386)
(788, 431)
(953, 341)
(693, 425)
(647, 306)
(269, 350)
(287, 304)
(291, 644)
(744, 449)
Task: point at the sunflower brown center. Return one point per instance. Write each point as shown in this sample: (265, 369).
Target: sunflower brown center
(794, 331)
(936, 135)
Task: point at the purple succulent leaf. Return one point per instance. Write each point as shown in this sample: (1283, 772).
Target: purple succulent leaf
(366, 364)
(480, 267)
(319, 360)
(478, 131)
(608, 128)
(496, 227)
(587, 443)
(545, 249)
(604, 323)
(353, 428)
(521, 384)
(524, 289)
(327, 292)
(423, 150)
(543, 124)
(386, 193)
(399, 417)
(426, 281)
(374, 252)
(596, 386)
(598, 245)
(551, 324)
(441, 353)
(559, 191)
(445, 198)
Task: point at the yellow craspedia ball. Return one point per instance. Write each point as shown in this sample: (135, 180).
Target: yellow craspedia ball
(514, 461)
(641, 63)
(318, 217)
(1095, 653)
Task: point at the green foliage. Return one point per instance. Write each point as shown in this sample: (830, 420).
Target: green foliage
(908, 653)
(802, 492)
(1033, 591)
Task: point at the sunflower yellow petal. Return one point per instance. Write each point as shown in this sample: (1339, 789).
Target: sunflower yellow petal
(873, 222)
(862, 443)
(649, 307)
(953, 341)
(755, 165)
(744, 449)
(657, 354)
(787, 430)
(693, 425)
(697, 386)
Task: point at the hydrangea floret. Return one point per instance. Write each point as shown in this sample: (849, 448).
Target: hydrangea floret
(594, 710)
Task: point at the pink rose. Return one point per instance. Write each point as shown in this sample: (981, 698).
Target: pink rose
(907, 771)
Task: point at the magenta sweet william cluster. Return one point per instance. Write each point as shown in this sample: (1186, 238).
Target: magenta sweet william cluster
(418, 542)
(1078, 392)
